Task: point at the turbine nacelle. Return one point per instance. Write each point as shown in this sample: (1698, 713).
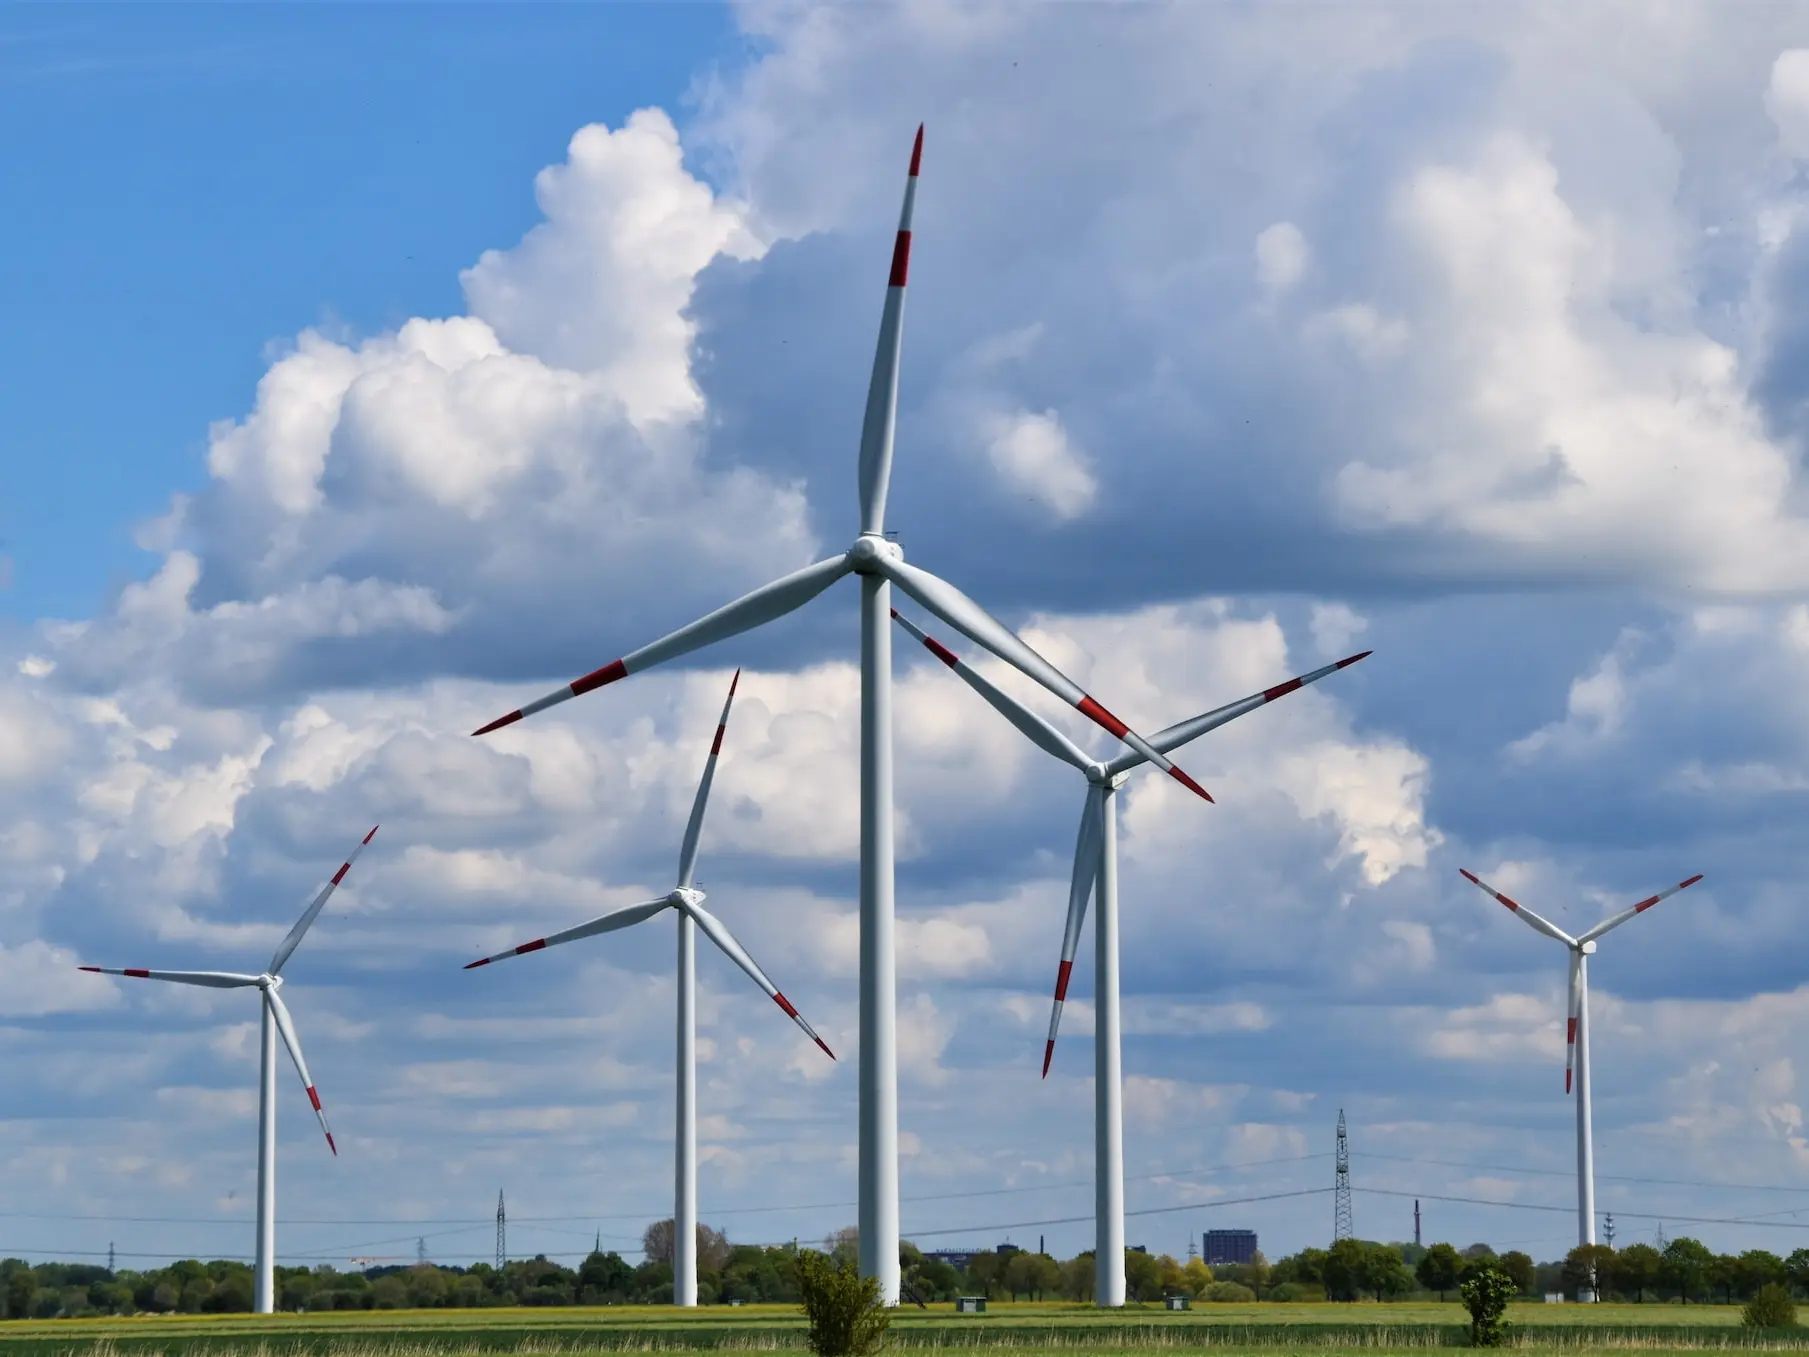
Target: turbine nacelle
(1587, 947)
(686, 898)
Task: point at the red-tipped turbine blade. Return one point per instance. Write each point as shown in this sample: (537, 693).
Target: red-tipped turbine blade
(763, 605)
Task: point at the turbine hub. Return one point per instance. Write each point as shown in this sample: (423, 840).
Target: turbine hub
(1588, 948)
(869, 547)
(267, 981)
(687, 895)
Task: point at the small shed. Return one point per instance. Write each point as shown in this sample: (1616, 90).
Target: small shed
(970, 1305)
(1178, 1302)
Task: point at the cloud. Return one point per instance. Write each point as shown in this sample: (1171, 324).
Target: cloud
(1035, 459)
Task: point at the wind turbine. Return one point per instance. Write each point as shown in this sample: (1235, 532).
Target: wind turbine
(880, 564)
(1576, 1027)
(1096, 867)
(687, 901)
(275, 1019)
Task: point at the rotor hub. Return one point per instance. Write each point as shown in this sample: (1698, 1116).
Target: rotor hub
(1587, 948)
(870, 547)
(687, 895)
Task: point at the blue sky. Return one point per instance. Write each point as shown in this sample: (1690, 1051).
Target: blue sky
(359, 395)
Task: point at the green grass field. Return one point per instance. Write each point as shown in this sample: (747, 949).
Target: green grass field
(1021, 1330)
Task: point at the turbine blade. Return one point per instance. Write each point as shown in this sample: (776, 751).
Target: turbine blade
(719, 934)
(1089, 844)
(1570, 1017)
(766, 603)
(607, 923)
(1608, 925)
(687, 857)
(1039, 731)
(1544, 926)
(303, 924)
(882, 388)
(969, 618)
(287, 1028)
(1191, 729)
(207, 979)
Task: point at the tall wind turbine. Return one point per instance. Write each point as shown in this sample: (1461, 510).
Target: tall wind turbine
(1096, 867)
(1576, 1027)
(687, 902)
(880, 564)
(275, 1019)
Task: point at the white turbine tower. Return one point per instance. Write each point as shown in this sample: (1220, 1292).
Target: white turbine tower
(1096, 867)
(687, 901)
(1576, 1028)
(275, 1019)
(880, 564)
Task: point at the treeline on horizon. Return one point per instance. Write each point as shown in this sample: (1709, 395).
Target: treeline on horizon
(1350, 1270)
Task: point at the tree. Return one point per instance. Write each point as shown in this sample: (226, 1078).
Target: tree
(1796, 1270)
(1438, 1268)
(1142, 1275)
(1197, 1276)
(1519, 1268)
(712, 1245)
(1686, 1265)
(845, 1243)
(847, 1315)
(1770, 1308)
(1382, 1273)
(1078, 1278)
(1586, 1267)
(1756, 1269)
(1341, 1270)
(1486, 1292)
(1636, 1268)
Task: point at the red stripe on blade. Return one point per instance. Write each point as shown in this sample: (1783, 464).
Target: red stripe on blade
(1179, 775)
(1570, 1033)
(1353, 659)
(785, 1004)
(373, 833)
(340, 874)
(331, 1146)
(917, 151)
(533, 946)
(1567, 1081)
(609, 673)
(941, 651)
(901, 260)
(1061, 980)
(314, 1097)
(1645, 904)
(499, 723)
(734, 683)
(95, 969)
(1048, 1055)
(1090, 709)
(473, 965)
(1281, 689)
(716, 744)
(825, 1045)
(140, 975)
(1691, 882)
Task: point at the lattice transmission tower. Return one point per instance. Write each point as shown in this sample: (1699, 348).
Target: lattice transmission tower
(502, 1243)
(1341, 1222)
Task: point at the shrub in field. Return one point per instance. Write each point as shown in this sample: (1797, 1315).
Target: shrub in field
(1770, 1308)
(1486, 1291)
(847, 1317)
(1286, 1291)
(1235, 1293)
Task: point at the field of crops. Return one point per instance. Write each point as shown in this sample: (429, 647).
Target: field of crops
(1020, 1330)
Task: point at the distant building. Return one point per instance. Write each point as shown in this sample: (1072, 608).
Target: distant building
(1230, 1246)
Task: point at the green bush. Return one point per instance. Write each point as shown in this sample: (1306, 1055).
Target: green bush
(847, 1317)
(1486, 1291)
(1770, 1308)
(1235, 1293)
(1286, 1291)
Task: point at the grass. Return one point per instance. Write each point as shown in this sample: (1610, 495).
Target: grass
(1027, 1330)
